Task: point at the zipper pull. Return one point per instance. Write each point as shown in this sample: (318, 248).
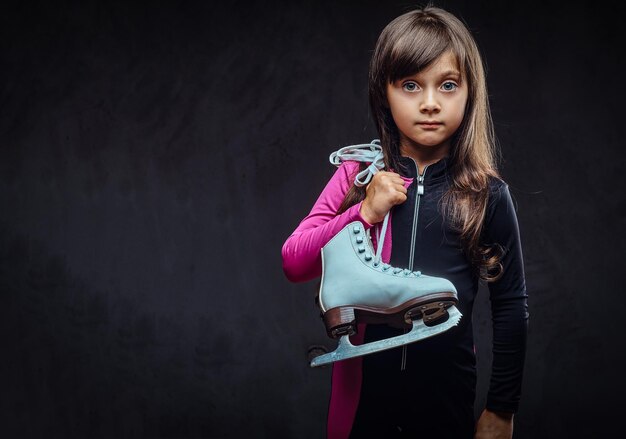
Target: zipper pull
(420, 186)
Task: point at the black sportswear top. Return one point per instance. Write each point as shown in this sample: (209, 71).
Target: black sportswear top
(438, 252)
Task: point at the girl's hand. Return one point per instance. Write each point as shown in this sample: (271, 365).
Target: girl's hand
(385, 190)
(492, 425)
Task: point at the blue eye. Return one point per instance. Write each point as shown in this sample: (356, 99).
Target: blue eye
(412, 86)
(409, 86)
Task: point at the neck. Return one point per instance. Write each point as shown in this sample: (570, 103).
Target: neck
(424, 156)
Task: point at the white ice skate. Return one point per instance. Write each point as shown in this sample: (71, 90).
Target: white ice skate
(357, 287)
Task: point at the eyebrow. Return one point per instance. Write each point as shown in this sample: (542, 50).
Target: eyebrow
(449, 72)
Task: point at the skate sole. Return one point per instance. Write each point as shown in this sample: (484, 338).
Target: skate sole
(432, 309)
(420, 331)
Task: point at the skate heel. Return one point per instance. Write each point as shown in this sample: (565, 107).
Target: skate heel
(340, 321)
(432, 313)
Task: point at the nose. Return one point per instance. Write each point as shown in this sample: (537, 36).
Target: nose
(429, 104)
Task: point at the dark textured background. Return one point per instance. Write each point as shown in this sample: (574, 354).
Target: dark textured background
(155, 156)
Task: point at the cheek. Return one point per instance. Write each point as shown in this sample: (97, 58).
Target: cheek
(400, 110)
(459, 110)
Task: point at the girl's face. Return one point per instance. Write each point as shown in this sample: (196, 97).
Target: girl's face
(436, 94)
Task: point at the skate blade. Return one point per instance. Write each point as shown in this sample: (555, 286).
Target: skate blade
(420, 331)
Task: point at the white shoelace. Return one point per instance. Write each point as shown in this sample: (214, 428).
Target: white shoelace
(369, 153)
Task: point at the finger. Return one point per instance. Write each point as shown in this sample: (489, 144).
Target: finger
(389, 173)
(390, 178)
(400, 198)
(392, 174)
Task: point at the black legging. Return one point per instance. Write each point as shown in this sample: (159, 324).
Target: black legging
(432, 398)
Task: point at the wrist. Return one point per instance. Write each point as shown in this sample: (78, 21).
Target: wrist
(504, 415)
(366, 214)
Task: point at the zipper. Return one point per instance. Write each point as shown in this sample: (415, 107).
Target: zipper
(418, 196)
(403, 364)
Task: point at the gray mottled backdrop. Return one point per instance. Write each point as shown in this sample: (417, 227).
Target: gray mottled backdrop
(154, 157)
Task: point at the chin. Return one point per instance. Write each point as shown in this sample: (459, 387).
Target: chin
(428, 142)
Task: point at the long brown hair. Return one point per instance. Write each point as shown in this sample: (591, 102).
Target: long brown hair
(408, 44)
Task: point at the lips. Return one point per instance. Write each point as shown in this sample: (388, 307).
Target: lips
(429, 122)
(429, 125)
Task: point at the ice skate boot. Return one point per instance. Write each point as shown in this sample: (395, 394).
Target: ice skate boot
(357, 288)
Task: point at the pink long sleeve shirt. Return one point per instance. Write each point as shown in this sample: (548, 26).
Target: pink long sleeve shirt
(302, 261)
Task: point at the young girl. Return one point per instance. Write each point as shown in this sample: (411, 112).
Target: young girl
(452, 217)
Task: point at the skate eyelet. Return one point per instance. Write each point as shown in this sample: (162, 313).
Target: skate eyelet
(356, 230)
(361, 249)
(375, 264)
(359, 240)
